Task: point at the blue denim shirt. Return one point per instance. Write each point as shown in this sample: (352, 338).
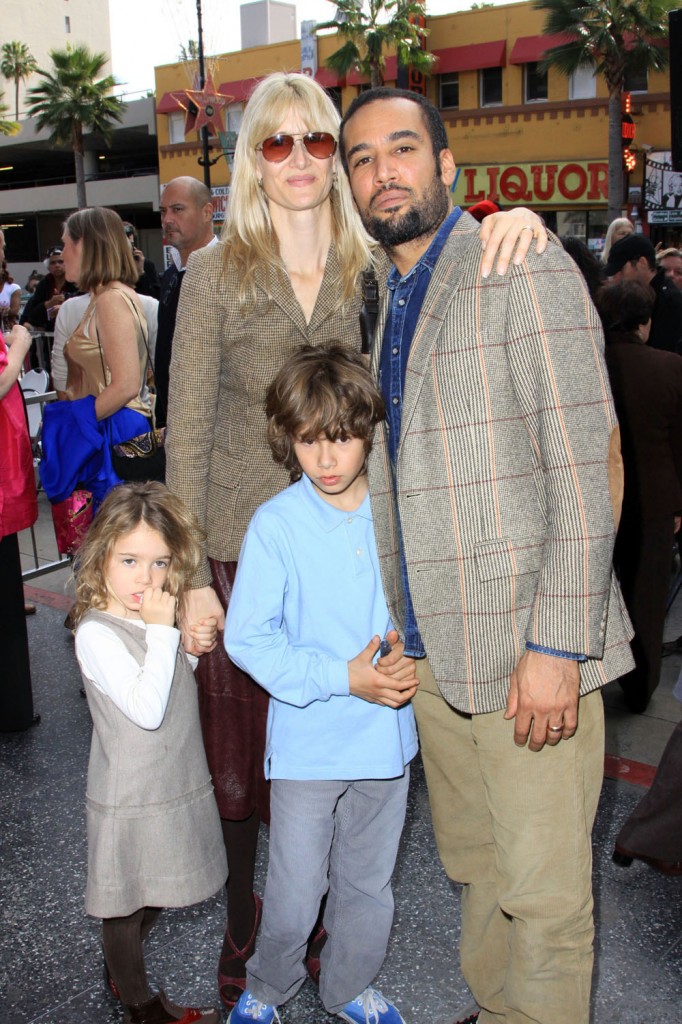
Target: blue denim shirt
(406, 295)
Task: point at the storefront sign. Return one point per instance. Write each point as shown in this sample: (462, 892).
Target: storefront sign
(308, 48)
(219, 196)
(581, 181)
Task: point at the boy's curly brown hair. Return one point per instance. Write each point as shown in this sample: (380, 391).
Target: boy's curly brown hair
(321, 391)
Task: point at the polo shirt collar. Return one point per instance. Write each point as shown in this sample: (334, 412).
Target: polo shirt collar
(328, 516)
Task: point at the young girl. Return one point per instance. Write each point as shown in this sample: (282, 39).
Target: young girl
(154, 835)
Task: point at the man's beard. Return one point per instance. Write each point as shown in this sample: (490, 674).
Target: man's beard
(422, 219)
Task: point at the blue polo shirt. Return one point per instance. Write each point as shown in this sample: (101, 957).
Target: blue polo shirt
(306, 600)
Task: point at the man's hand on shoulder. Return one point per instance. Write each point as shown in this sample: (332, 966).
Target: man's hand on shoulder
(543, 699)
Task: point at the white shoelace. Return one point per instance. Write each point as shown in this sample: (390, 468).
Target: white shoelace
(254, 1008)
(373, 1003)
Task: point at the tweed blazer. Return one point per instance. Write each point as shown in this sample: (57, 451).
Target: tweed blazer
(501, 481)
(224, 358)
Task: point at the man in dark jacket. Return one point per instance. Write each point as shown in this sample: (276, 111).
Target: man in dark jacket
(634, 259)
(42, 308)
(187, 222)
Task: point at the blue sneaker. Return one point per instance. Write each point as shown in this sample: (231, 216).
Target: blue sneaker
(250, 1009)
(370, 1008)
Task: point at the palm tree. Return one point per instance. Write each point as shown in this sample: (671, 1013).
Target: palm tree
(615, 38)
(16, 63)
(7, 127)
(366, 37)
(71, 98)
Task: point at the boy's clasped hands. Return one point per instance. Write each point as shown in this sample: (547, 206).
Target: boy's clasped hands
(391, 680)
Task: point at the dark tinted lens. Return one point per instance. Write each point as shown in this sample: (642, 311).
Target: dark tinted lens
(277, 148)
(321, 145)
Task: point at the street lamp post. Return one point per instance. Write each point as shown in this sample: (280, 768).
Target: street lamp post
(204, 160)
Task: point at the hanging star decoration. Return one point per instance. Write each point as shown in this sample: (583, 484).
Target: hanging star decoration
(203, 107)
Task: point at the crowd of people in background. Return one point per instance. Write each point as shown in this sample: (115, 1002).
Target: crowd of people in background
(236, 371)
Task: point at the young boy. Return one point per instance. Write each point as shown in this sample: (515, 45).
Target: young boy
(341, 731)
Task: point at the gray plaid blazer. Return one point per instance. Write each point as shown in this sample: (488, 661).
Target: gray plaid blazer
(223, 359)
(502, 476)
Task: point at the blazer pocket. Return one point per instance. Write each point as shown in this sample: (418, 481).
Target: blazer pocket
(498, 559)
(225, 471)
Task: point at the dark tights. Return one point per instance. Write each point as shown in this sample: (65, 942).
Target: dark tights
(241, 840)
(122, 938)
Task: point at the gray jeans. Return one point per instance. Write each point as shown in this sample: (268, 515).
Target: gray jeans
(337, 836)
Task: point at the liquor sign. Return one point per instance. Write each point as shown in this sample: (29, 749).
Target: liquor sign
(308, 48)
(578, 181)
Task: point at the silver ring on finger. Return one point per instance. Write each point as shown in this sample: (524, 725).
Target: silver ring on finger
(528, 227)
(555, 728)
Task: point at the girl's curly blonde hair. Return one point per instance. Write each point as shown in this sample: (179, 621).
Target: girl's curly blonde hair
(124, 508)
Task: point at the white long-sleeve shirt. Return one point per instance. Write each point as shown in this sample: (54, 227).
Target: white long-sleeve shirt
(140, 692)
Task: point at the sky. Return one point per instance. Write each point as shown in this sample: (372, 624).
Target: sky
(146, 33)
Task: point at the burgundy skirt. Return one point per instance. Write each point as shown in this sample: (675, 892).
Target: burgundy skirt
(234, 710)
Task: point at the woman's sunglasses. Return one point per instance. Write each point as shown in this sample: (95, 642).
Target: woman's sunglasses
(277, 148)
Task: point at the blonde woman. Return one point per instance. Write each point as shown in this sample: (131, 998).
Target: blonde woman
(288, 273)
(618, 229)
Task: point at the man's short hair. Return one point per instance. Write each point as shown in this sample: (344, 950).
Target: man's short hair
(326, 391)
(432, 119)
(664, 253)
(629, 249)
(198, 192)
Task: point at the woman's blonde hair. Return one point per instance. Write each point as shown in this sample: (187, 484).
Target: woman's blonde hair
(248, 234)
(615, 225)
(123, 509)
(106, 254)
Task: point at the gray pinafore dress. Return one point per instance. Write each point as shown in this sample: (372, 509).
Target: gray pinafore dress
(154, 836)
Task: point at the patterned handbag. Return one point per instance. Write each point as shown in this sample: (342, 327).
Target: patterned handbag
(71, 519)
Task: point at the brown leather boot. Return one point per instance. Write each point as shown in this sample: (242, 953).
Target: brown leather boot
(157, 1011)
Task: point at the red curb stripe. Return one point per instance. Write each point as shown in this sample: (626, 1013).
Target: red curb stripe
(47, 597)
(624, 770)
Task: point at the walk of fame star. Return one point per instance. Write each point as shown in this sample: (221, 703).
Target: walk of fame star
(203, 107)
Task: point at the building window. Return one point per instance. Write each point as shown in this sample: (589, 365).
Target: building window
(535, 82)
(582, 84)
(176, 127)
(449, 90)
(636, 81)
(67, 24)
(233, 117)
(491, 87)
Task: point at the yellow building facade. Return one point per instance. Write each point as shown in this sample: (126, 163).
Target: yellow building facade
(518, 136)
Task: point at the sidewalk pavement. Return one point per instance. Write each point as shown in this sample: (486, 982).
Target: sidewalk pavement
(50, 957)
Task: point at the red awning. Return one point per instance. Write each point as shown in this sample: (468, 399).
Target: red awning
(240, 90)
(168, 104)
(390, 73)
(471, 58)
(326, 78)
(530, 49)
